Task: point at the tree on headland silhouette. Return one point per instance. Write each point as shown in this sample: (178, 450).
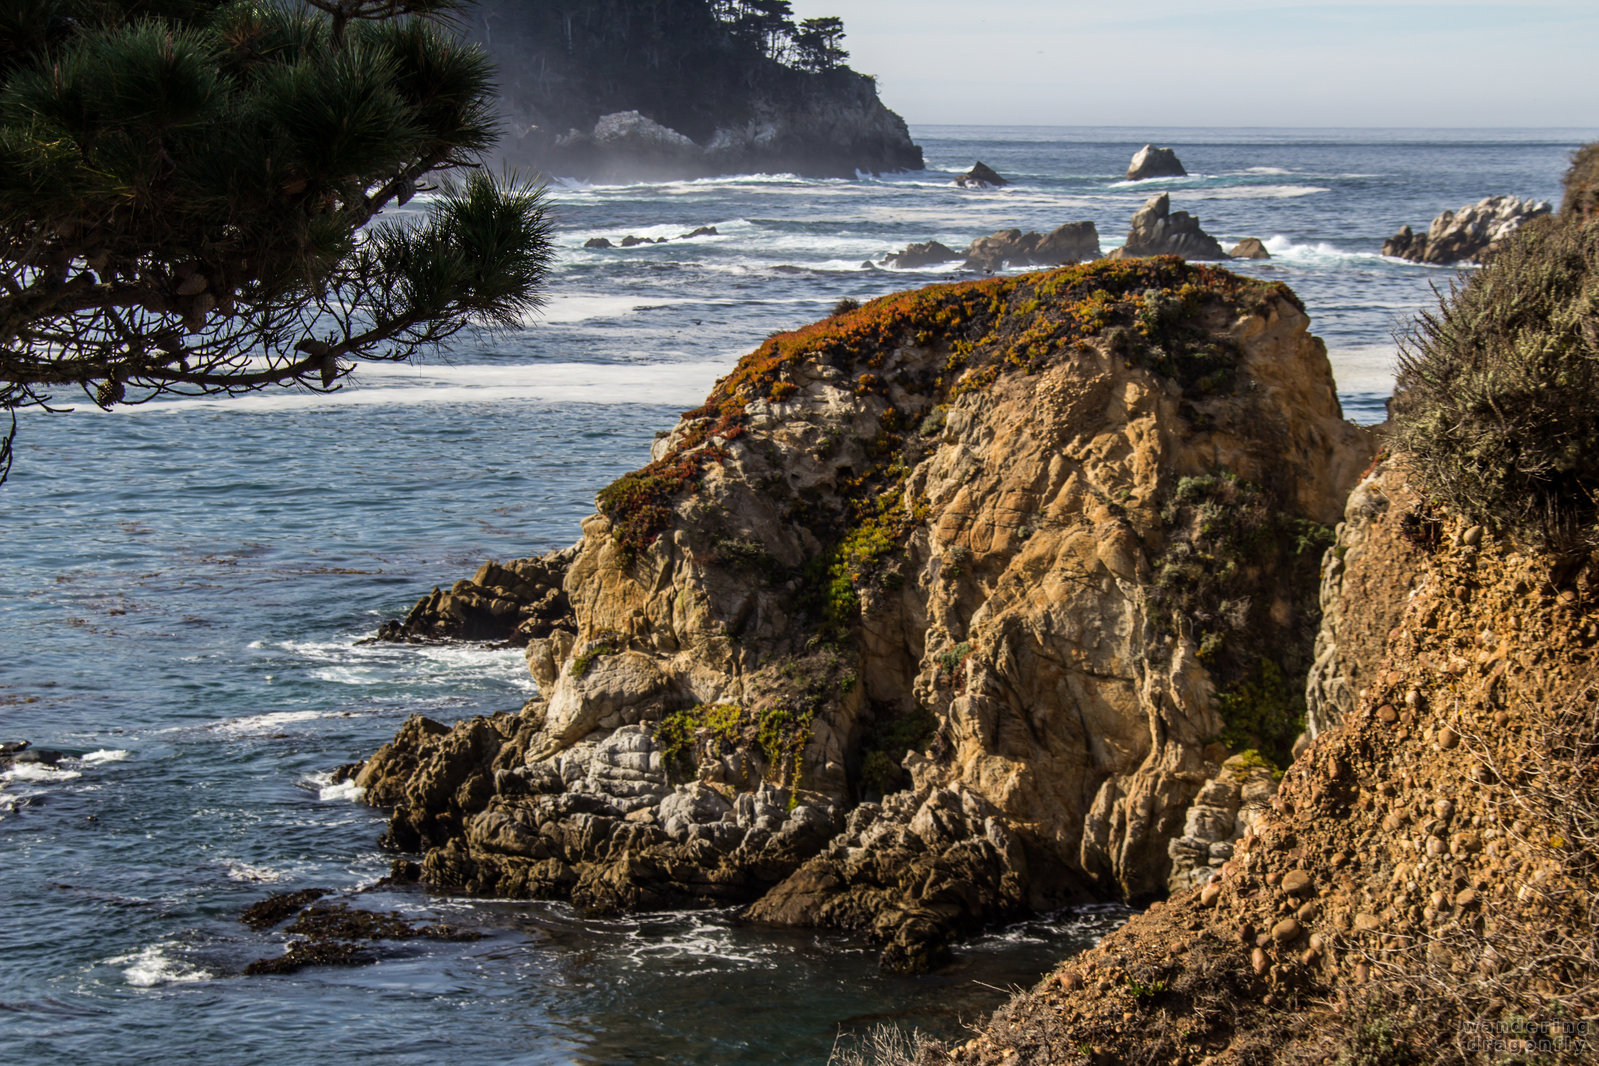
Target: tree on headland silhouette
(186, 188)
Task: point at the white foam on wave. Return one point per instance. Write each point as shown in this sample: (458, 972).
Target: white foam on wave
(705, 946)
(1318, 253)
(152, 967)
(252, 874)
(321, 782)
(1144, 183)
(1267, 170)
(37, 772)
(588, 307)
(408, 384)
(260, 724)
(105, 755)
(446, 665)
(1255, 192)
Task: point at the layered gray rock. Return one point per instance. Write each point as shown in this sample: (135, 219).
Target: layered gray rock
(1225, 808)
(1367, 577)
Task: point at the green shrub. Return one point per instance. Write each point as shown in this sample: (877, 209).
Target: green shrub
(1582, 182)
(1498, 390)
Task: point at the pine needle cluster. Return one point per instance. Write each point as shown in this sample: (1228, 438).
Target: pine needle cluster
(188, 191)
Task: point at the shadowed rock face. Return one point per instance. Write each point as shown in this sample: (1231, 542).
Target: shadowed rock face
(600, 90)
(1465, 236)
(981, 176)
(932, 614)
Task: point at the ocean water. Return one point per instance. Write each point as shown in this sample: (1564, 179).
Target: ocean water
(184, 584)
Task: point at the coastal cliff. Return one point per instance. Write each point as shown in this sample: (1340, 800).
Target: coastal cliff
(606, 90)
(937, 611)
(1420, 888)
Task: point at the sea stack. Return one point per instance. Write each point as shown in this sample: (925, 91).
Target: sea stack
(981, 176)
(1152, 162)
(895, 634)
(1158, 230)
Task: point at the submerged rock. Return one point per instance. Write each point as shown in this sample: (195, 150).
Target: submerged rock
(1468, 235)
(1158, 230)
(932, 614)
(336, 934)
(981, 176)
(1152, 162)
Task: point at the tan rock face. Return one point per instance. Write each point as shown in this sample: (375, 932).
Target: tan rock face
(1419, 852)
(1023, 548)
(1367, 579)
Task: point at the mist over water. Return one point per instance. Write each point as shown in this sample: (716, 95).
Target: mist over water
(185, 583)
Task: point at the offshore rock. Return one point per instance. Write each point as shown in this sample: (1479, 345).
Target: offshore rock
(926, 253)
(1152, 162)
(517, 602)
(919, 622)
(981, 176)
(1249, 248)
(1158, 230)
(1468, 235)
(1073, 242)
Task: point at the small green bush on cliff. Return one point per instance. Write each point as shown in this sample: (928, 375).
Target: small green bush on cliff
(1498, 390)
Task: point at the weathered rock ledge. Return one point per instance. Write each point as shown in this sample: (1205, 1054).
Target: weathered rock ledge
(938, 611)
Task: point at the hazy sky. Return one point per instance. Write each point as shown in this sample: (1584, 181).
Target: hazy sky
(1234, 62)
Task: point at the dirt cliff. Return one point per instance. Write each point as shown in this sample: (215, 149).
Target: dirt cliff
(938, 610)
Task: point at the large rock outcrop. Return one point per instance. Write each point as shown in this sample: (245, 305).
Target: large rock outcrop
(938, 610)
(1414, 892)
(1468, 235)
(1158, 230)
(1151, 162)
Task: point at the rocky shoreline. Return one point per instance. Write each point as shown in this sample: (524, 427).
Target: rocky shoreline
(913, 626)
